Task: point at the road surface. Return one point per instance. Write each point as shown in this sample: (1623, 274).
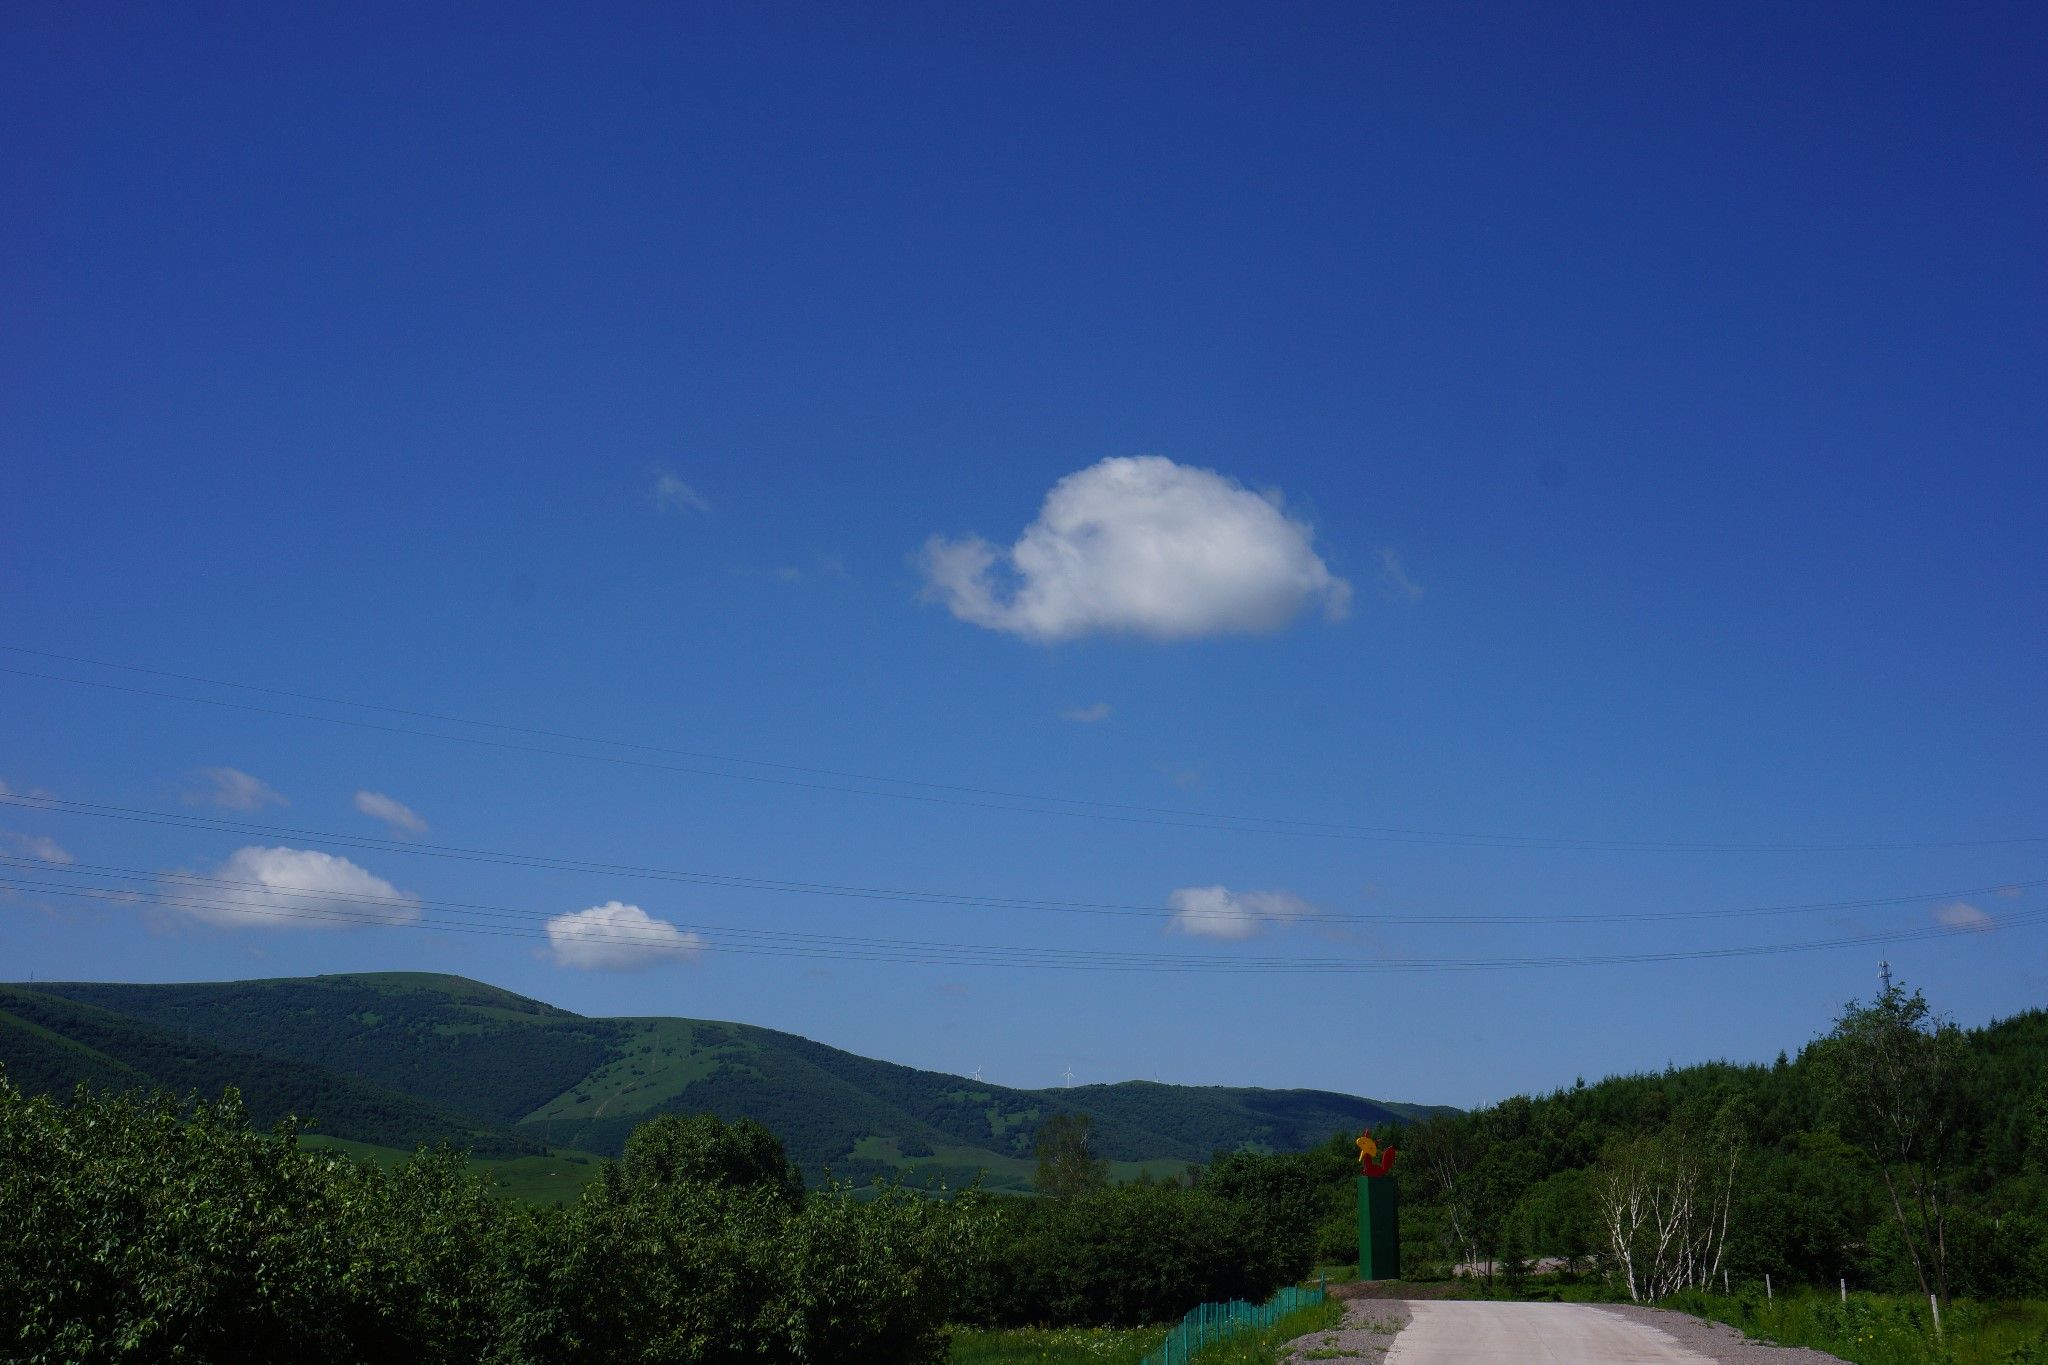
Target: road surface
(1469, 1332)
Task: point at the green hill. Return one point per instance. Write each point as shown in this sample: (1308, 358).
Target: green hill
(50, 1044)
(501, 1068)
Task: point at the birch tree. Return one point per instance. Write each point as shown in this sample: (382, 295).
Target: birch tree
(1664, 1202)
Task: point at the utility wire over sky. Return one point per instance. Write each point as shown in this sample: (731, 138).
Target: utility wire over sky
(950, 899)
(942, 793)
(851, 948)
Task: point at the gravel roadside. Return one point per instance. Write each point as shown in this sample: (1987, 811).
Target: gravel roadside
(1366, 1335)
(1717, 1340)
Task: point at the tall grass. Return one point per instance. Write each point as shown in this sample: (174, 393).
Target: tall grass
(1884, 1329)
(1127, 1346)
(1262, 1347)
(1056, 1346)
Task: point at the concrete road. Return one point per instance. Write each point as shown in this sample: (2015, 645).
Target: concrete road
(1463, 1332)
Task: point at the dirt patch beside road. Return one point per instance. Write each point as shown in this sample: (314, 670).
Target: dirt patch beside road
(1365, 1337)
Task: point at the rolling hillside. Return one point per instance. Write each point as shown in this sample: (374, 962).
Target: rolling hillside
(509, 1074)
(49, 1044)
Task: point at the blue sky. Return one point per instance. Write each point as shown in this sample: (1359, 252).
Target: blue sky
(1618, 425)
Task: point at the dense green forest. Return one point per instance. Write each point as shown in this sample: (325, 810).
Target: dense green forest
(504, 1074)
(1788, 1169)
(173, 1230)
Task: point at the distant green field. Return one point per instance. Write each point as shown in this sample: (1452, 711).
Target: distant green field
(662, 1058)
(553, 1179)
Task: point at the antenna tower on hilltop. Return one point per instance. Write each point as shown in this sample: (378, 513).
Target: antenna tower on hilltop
(1884, 974)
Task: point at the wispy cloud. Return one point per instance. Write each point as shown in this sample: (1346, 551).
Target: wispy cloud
(233, 789)
(615, 937)
(671, 494)
(40, 847)
(1087, 715)
(399, 816)
(1394, 577)
(1139, 546)
(1219, 912)
(288, 888)
(1963, 915)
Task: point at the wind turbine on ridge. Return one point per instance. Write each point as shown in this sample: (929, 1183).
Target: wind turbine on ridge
(1068, 1075)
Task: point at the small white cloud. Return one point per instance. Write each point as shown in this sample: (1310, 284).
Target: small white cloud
(232, 789)
(1219, 912)
(289, 888)
(615, 937)
(1394, 576)
(396, 814)
(789, 573)
(1087, 715)
(671, 494)
(2011, 893)
(40, 847)
(1963, 915)
(1143, 546)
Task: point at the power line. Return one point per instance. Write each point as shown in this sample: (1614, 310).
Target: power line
(933, 793)
(946, 899)
(914, 952)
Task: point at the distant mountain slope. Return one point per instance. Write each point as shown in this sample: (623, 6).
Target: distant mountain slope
(503, 1061)
(461, 1044)
(50, 1044)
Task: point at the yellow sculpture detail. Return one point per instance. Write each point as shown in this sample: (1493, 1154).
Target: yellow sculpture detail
(1370, 1161)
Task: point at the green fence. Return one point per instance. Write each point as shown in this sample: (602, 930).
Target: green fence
(1213, 1322)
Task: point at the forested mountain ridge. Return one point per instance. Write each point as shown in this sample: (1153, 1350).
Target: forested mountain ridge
(51, 1044)
(506, 1071)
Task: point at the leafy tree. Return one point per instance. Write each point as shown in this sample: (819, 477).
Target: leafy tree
(702, 1148)
(1067, 1165)
(1889, 1071)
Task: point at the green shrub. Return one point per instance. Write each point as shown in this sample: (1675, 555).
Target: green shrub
(150, 1230)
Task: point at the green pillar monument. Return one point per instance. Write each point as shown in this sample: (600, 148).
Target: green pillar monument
(1379, 1213)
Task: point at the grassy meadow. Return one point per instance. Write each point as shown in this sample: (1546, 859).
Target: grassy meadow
(1885, 1329)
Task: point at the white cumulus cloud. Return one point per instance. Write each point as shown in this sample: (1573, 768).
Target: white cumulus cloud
(288, 888)
(1963, 915)
(1219, 912)
(396, 814)
(233, 789)
(616, 937)
(1139, 545)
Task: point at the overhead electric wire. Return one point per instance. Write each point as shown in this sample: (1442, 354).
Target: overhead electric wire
(991, 955)
(940, 899)
(980, 901)
(950, 794)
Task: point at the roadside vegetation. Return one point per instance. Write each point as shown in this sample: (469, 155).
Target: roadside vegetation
(1896, 1154)
(1884, 1329)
